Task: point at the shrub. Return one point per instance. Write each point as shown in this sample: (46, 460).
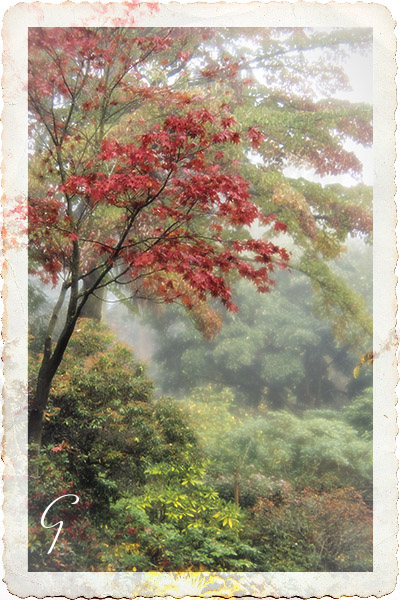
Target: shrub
(311, 530)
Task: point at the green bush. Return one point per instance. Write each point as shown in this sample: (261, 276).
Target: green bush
(78, 544)
(178, 523)
(313, 531)
(157, 479)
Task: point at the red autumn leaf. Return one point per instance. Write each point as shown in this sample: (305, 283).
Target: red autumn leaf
(279, 226)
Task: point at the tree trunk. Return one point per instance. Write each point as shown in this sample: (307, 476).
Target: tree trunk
(236, 489)
(93, 308)
(49, 366)
(51, 360)
(277, 396)
(35, 422)
(48, 369)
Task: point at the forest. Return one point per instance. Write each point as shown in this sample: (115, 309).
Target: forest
(200, 300)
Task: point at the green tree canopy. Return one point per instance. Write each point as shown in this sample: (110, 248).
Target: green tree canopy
(277, 350)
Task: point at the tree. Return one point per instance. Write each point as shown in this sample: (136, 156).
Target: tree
(124, 212)
(275, 351)
(254, 453)
(156, 200)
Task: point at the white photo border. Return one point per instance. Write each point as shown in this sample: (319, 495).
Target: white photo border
(259, 585)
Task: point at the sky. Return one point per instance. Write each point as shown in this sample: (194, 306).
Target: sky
(359, 70)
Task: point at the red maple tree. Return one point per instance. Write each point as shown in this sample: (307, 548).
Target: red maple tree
(148, 207)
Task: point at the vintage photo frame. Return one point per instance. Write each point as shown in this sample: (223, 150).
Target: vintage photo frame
(19, 580)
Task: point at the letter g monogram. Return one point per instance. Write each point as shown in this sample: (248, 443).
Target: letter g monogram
(59, 523)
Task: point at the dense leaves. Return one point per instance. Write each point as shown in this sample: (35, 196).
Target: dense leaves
(258, 448)
(101, 420)
(277, 351)
(106, 439)
(195, 485)
(314, 531)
